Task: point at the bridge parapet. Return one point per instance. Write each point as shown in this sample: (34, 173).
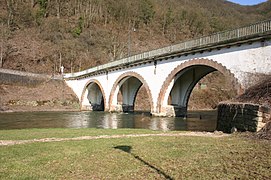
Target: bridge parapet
(247, 33)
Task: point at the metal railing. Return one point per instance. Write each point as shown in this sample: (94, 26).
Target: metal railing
(230, 35)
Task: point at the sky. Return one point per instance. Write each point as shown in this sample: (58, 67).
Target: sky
(247, 2)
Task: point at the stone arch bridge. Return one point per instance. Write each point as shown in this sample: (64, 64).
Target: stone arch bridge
(242, 55)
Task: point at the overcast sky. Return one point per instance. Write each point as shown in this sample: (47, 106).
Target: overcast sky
(247, 2)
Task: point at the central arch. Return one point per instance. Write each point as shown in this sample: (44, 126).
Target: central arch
(129, 83)
(181, 81)
(93, 96)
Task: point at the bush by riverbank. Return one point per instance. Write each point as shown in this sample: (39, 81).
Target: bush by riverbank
(260, 93)
(149, 157)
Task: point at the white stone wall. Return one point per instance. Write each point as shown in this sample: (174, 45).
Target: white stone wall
(240, 60)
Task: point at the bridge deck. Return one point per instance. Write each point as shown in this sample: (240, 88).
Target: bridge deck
(252, 32)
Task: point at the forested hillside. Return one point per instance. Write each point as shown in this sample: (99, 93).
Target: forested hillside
(39, 35)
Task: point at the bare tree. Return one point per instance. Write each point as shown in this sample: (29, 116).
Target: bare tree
(58, 8)
(10, 11)
(115, 47)
(4, 36)
(2, 45)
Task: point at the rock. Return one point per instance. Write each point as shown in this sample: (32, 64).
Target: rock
(233, 130)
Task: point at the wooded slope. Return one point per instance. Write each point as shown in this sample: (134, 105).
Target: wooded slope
(39, 35)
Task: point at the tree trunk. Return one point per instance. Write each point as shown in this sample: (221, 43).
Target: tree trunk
(32, 3)
(71, 66)
(2, 45)
(9, 7)
(60, 59)
(1, 55)
(58, 9)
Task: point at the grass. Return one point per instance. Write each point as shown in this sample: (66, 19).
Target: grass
(232, 157)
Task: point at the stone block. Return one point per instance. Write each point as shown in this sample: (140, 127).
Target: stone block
(172, 111)
(86, 108)
(127, 108)
(245, 117)
(252, 107)
(97, 107)
(260, 125)
(251, 123)
(116, 108)
(252, 128)
(240, 127)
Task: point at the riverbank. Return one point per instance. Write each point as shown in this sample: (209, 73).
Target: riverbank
(132, 154)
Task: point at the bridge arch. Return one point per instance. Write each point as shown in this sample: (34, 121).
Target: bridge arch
(129, 83)
(181, 81)
(93, 96)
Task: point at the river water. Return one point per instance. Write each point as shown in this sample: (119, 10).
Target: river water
(196, 121)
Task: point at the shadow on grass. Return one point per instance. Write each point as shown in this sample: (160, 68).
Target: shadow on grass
(128, 149)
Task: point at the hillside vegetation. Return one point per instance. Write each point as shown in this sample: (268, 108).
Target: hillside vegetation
(39, 35)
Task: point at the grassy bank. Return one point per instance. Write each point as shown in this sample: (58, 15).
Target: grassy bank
(132, 158)
(28, 134)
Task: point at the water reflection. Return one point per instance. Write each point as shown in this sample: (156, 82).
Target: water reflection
(110, 121)
(196, 121)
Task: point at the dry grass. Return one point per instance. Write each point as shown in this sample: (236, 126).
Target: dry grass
(230, 157)
(260, 93)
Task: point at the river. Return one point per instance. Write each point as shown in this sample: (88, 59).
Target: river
(195, 121)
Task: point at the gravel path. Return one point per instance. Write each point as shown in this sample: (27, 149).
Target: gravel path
(198, 134)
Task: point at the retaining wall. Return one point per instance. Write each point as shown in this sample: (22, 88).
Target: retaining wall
(242, 116)
(12, 77)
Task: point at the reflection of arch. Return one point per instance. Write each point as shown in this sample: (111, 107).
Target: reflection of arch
(124, 77)
(189, 64)
(93, 81)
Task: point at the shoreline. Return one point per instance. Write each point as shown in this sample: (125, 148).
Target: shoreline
(38, 110)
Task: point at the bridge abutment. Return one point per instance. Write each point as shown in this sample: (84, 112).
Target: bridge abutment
(86, 107)
(116, 108)
(171, 111)
(127, 108)
(97, 107)
(121, 108)
(93, 107)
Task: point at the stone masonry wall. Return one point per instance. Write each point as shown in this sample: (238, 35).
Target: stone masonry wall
(242, 116)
